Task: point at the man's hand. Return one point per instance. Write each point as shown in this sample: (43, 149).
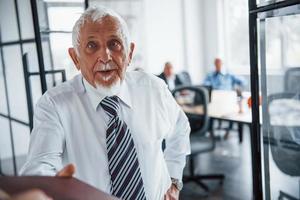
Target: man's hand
(67, 171)
(172, 193)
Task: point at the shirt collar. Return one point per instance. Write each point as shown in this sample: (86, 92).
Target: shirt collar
(95, 97)
(171, 78)
(222, 72)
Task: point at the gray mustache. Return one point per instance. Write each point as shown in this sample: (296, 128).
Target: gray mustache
(105, 67)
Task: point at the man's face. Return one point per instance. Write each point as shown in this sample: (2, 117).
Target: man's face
(218, 64)
(102, 55)
(168, 70)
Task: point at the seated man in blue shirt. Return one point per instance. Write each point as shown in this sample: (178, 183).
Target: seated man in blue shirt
(219, 80)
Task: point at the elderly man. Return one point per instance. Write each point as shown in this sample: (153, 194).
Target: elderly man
(219, 80)
(110, 123)
(171, 79)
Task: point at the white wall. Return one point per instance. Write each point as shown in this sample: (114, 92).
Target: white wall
(204, 36)
(188, 33)
(184, 32)
(195, 41)
(163, 34)
(212, 29)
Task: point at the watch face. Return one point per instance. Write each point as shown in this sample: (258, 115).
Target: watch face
(178, 184)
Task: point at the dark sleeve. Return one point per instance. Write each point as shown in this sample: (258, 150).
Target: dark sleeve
(178, 82)
(162, 76)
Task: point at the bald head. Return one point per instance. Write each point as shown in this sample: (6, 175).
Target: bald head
(168, 70)
(218, 64)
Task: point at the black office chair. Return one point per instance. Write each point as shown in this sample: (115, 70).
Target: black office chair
(195, 99)
(209, 89)
(185, 78)
(292, 79)
(284, 136)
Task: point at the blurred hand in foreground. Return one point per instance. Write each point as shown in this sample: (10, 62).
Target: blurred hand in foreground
(67, 172)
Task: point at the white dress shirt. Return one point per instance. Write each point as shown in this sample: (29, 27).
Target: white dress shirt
(171, 82)
(70, 127)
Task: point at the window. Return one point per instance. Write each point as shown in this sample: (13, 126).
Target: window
(282, 43)
(60, 35)
(56, 35)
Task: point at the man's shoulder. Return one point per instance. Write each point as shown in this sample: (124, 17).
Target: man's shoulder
(65, 89)
(144, 79)
(162, 75)
(209, 76)
(211, 73)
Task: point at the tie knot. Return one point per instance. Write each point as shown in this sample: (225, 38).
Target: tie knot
(110, 105)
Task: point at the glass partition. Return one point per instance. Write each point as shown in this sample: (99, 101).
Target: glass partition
(17, 37)
(267, 2)
(279, 32)
(56, 35)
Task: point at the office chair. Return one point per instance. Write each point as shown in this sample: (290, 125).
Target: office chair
(284, 132)
(185, 78)
(291, 80)
(194, 101)
(209, 90)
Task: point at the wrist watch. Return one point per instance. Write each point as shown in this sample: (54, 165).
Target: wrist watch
(177, 183)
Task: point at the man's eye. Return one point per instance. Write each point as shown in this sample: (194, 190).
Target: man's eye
(115, 45)
(91, 45)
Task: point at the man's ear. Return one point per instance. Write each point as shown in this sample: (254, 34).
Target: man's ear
(74, 57)
(131, 52)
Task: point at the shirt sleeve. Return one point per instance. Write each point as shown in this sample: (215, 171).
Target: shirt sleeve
(238, 80)
(177, 140)
(46, 141)
(208, 80)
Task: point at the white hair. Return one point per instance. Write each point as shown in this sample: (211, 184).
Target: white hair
(96, 14)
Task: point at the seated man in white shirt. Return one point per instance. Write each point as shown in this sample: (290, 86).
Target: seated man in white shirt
(168, 75)
(109, 123)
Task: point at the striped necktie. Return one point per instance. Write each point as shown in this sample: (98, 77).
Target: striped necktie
(126, 179)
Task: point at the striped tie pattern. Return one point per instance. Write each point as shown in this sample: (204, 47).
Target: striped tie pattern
(126, 179)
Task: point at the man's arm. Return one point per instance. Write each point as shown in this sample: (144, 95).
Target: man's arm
(177, 143)
(177, 140)
(46, 141)
(238, 81)
(178, 146)
(208, 80)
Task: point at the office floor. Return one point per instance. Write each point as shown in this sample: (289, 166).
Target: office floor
(233, 160)
(230, 157)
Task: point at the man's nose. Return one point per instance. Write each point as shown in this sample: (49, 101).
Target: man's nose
(104, 55)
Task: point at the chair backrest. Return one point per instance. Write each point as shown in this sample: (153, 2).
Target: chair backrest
(185, 78)
(194, 101)
(292, 79)
(284, 131)
(209, 90)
